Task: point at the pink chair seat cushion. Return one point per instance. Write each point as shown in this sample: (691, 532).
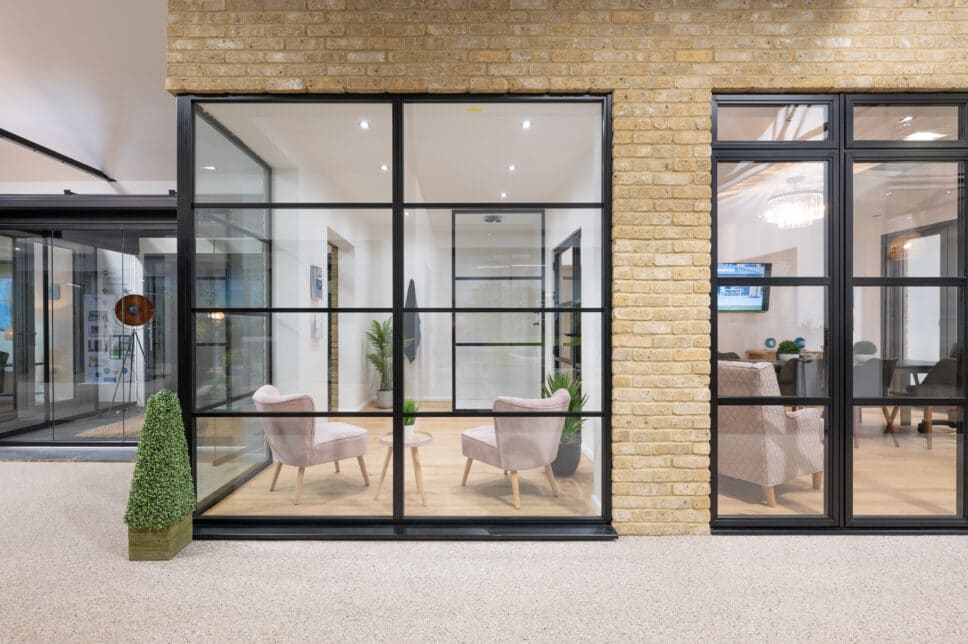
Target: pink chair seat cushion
(480, 444)
(338, 441)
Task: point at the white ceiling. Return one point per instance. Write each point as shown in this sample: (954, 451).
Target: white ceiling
(86, 78)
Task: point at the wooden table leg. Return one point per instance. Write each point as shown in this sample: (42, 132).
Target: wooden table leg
(928, 421)
(889, 417)
(383, 474)
(418, 473)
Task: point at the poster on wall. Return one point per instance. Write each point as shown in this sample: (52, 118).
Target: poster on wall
(103, 350)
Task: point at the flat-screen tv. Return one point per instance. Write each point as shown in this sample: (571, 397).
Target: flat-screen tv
(743, 298)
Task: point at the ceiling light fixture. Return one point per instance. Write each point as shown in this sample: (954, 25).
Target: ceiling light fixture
(384, 167)
(922, 135)
(210, 168)
(364, 125)
(525, 124)
(512, 168)
(907, 118)
(504, 195)
(795, 209)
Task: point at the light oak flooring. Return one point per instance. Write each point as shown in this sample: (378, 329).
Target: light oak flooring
(487, 493)
(905, 480)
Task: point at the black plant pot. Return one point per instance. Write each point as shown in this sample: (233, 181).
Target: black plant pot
(569, 455)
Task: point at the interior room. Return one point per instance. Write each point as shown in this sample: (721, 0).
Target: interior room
(75, 366)
(293, 287)
(773, 221)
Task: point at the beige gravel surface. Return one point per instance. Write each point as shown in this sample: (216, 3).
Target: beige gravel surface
(65, 577)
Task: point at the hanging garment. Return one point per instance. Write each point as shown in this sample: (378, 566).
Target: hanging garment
(411, 324)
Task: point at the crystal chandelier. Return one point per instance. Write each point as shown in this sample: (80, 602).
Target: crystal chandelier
(795, 209)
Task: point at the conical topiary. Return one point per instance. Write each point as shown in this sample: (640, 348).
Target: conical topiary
(161, 489)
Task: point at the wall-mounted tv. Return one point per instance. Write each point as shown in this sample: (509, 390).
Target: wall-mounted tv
(745, 298)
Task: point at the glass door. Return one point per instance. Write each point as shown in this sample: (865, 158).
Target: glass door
(497, 260)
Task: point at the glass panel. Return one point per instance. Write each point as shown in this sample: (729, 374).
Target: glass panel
(245, 457)
(501, 354)
(906, 220)
(905, 460)
(911, 336)
(772, 122)
(770, 460)
(499, 258)
(101, 368)
(773, 214)
(922, 123)
(236, 353)
(240, 253)
(316, 152)
(788, 334)
(442, 446)
(493, 152)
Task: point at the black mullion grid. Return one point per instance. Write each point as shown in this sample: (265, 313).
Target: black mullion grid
(397, 281)
(781, 152)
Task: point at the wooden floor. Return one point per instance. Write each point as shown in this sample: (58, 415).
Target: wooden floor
(487, 493)
(888, 480)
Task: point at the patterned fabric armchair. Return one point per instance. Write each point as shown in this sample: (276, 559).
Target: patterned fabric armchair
(766, 444)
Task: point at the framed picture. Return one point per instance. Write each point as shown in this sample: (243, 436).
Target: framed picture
(316, 282)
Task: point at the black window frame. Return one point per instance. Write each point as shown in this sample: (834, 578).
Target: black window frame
(399, 525)
(841, 151)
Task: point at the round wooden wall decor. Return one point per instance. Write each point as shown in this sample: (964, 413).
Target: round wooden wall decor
(134, 310)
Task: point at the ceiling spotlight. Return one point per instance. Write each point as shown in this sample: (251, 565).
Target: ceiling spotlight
(210, 168)
(512, 168)
(504, 195)
(406, 213)
(525, 124)
(384, 167)
(905, 119)
(364, 125)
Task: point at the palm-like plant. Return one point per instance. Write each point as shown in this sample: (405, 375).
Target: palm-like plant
(564, 380)
(380, 336)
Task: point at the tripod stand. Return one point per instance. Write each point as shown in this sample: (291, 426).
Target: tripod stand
(128, 359)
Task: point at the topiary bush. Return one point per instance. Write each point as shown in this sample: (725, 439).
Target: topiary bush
(161, 489)
(788, 347)
(865, 348)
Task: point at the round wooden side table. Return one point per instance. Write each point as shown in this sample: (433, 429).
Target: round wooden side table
(418, 439)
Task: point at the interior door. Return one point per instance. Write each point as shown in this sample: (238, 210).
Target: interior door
(566, 268)
(497, 265)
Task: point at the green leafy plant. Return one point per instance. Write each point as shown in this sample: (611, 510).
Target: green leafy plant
(563, 380)
(380, 336)
(865, 348)
(788, 347)
(410, 407)
(161, 488)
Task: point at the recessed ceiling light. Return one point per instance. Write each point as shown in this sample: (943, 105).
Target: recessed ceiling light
(907, 245)
(210, 168)
(384, 167)
(907, 118)
(525, 124)
(512, 168)
(504, 195)
(922, 135)
(364, 125)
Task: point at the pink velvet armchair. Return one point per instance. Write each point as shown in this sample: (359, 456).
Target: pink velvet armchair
(304, 442)
(765, 444)
(518, 443)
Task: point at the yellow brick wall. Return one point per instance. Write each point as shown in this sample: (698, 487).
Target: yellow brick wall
(662, 60)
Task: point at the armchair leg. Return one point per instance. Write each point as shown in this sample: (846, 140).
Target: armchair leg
(818, 480)
(467, 470)
(366, 477)
(551, 479)
(299, 480)
(516, 490)
(275, 476)
(337, 467)
(769, 495)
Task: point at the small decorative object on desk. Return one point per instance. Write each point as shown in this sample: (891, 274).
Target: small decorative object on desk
(787, 350)
(864, 350)
(409, 407)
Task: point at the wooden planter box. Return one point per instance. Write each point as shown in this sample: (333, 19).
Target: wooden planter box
(159, 545)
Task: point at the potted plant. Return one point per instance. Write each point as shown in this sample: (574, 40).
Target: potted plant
(864, 350)
(162, 497)
(787, 350)
(569, 451)
(409, 407)
(380, 336)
